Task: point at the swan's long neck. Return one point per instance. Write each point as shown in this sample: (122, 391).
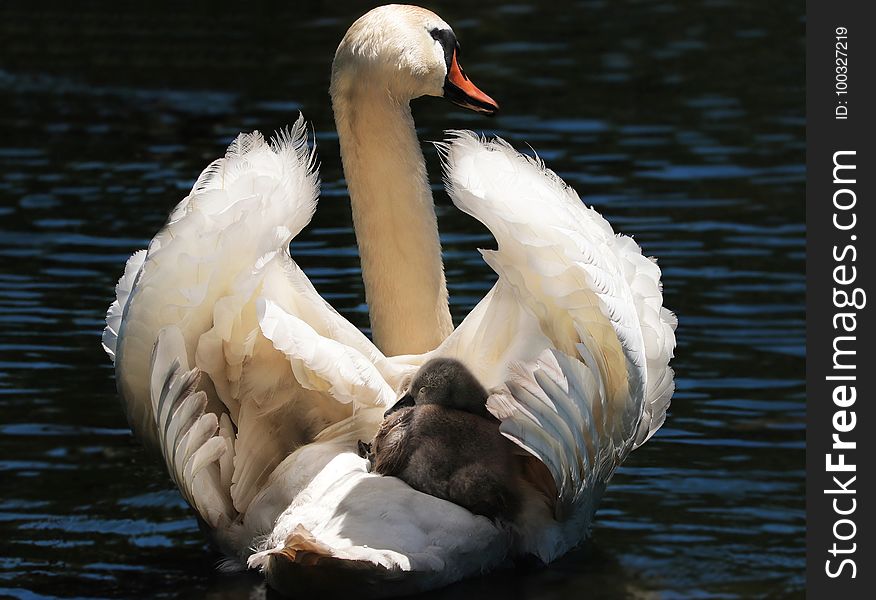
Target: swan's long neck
(395, 222)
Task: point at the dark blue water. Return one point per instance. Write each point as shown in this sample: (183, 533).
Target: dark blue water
(681, 121)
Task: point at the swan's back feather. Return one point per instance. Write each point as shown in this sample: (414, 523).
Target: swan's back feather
(409, 540)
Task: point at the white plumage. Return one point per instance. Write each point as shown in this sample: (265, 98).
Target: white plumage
(255, 391)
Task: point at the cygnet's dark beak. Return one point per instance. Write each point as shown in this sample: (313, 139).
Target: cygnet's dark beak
(403, 402)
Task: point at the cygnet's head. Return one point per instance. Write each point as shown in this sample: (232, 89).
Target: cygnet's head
(405, 52)
(448, 383)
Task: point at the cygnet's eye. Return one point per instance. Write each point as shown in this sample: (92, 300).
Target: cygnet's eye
(421, 391)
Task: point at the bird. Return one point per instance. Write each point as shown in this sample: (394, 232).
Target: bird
(255, 392)
(450, 454)
(440, 439)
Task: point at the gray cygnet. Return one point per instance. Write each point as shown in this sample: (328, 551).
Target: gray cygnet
(440, 439)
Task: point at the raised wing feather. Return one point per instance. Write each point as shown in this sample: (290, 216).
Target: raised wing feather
(322, 363)
(197, 445)
(117, 308)
(591, 379)
(225, 246)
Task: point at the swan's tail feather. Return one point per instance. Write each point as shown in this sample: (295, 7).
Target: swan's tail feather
(300, 546)
(197, 446)
(310, 567)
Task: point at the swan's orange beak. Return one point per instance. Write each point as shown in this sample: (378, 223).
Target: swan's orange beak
(459, 89)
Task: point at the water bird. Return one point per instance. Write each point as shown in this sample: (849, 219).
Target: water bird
(255, 391)
(440, 439)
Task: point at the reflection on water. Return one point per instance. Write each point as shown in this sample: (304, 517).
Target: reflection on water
(681, 121)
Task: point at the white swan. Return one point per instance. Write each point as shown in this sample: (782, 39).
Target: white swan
(256, 391)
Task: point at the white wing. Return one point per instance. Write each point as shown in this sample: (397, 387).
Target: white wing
(225, 248)
(574, 334)
(256, 391)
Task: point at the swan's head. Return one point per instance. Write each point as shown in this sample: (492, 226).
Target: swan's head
(405, 52)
